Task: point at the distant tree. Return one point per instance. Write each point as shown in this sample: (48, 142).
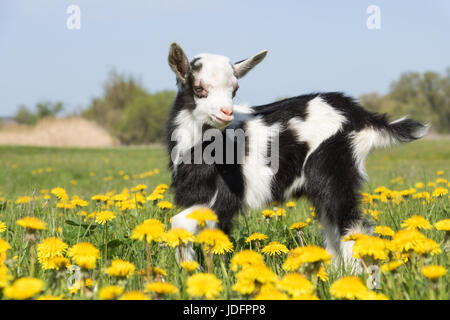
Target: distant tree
(129, 112)
(425, 97)
(49, 109)
(25, 116)
(43, 110)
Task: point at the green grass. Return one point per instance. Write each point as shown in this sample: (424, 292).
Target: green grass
(27, 170)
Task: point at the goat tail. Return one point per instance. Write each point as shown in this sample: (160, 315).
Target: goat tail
(398, 131)
(386, 133)
(406, 130)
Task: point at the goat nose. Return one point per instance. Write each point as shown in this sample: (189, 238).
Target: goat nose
(227, 110)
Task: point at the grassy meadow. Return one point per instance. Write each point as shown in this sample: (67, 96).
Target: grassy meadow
(414, 180)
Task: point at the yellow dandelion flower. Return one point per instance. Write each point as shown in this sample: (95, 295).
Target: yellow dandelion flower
(79, 202)
(151, 229)
(305, 297)
(245, 258)
(295, 284)
(433, 272)
(297, 226)
(165, 205)
(256, 236)
(50, 297)
(270, 293)
(48, 250)
(443, 225)
(161, 187)
(381, 189)
(134, 295)
(202, 215)
(25, 199)
(104, 216)
(439, 192)
(100, 198)
(384, 231)
(154, 197)
(422, 195)
(139, 187)
(268, 213)
(419, 185)
(65, 205)
(440, 172)
(280, 212)
(368, 246)
(290, 204)
(55, 263)
(416, 222)
(120, 268)
(24, 288)
(391, 266)
(441, 180)
(244, 287)
(204, 285)
(189, 266)
(5, 275)
(60, 193)
(110, 292)
(322, 274)
(405, 240)
(371, 295)
(215, 241)
(84, 254)
(257, 273)
(161, 288)
(177, 236)
(2, 227)
(157, 271)
(348, 288)
(427, 246)
(251, 277)
(275, 248)
(301, 255)
(32, 223)
(411, 239)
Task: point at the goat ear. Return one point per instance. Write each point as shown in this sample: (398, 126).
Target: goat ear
(178, 62)
(242, 67)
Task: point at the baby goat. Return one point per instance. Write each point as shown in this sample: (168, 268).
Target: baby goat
(317, 145)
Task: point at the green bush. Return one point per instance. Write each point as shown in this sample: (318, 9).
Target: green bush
(129, 112)
(425, 97)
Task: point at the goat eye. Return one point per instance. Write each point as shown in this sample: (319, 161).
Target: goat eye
(200, 92)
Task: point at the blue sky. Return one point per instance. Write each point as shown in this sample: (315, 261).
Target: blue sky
(313, 45)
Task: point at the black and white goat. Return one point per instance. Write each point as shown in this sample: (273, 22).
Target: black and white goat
(323, 139)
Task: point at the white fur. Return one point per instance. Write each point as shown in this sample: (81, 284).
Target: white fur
(191, 225)
(242, 108)
(257, 173)
(187, 134)
(296, 185)
(322, 121)
(363, 142)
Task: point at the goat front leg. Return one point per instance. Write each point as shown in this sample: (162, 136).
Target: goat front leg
(186, 252)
